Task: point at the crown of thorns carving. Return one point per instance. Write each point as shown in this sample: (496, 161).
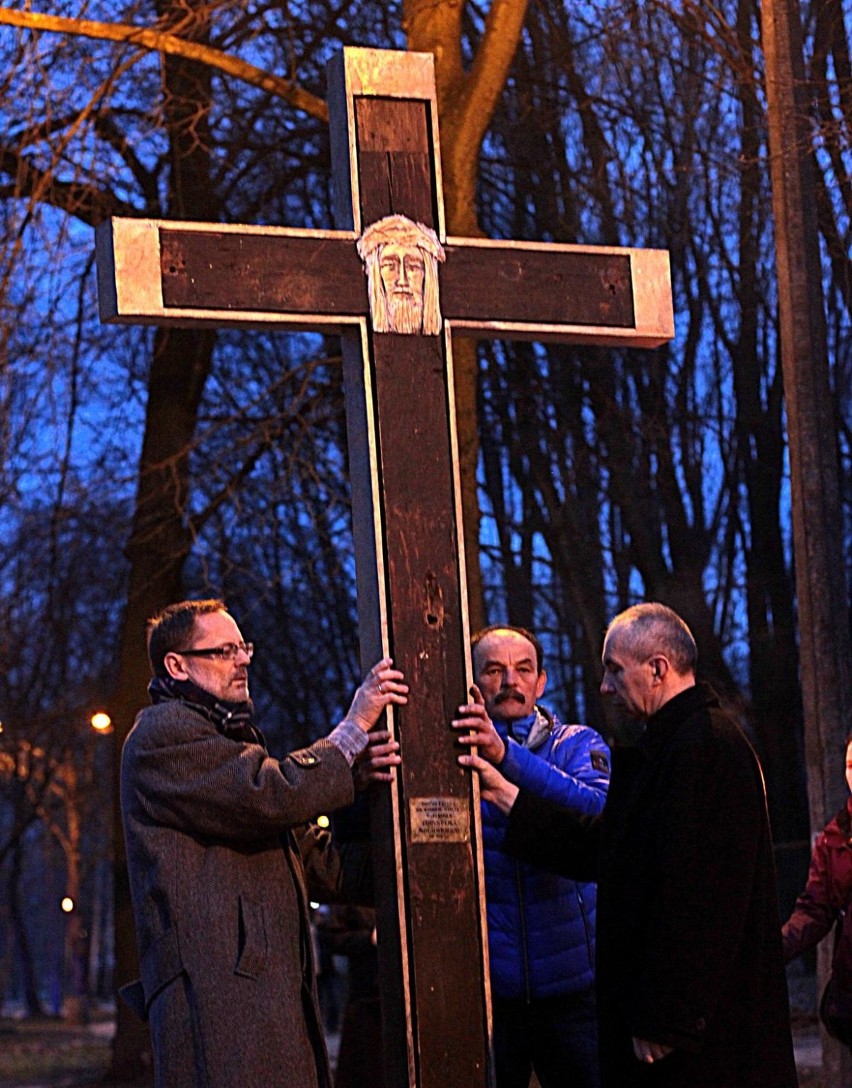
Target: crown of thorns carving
(403, 232)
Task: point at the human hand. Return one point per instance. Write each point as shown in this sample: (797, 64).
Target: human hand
(382, 685)
(474, 717)
(649, 1052)
(375, 762)
(493, 786)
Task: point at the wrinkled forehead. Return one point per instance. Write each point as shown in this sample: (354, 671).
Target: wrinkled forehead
(503, 647)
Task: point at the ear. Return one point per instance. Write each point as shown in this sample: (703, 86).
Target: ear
(540, 684)
(659, 668)
(175, 666)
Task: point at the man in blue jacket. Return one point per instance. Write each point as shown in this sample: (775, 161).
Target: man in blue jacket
(690, 976)
(540, 926)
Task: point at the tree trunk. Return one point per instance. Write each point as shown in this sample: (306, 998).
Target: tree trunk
(160, 538)
(817, 524)
(26, 965)
(75, 1006)
(773, 654)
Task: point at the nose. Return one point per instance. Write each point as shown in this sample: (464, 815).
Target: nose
(402, 278)
(606, 684)
(510, 678)
(242, 657)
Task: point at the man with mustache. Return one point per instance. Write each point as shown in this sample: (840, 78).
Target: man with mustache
(221, 850)
(690, 977)
(540, 927)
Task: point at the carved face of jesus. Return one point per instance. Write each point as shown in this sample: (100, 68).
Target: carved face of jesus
(403, 272)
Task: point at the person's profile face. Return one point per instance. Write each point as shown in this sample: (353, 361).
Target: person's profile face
(506, 672)
(849, 766)
(226, 680)
(627, 681)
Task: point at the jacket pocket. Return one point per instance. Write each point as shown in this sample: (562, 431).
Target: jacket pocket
(251, 941)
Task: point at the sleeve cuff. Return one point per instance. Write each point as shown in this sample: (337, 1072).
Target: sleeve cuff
(349, 739)
(510, 765)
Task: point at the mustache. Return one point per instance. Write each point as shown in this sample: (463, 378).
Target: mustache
(505, 696)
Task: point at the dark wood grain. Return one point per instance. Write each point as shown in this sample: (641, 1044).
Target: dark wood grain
(536, 286)
(271, 273)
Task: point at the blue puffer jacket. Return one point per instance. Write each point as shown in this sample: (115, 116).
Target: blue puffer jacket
(541, 926)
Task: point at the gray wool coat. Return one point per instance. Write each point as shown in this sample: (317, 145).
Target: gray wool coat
(220, 854)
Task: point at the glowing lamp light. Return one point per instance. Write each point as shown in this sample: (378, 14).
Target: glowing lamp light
(67, 904)
(101, 721)
(323, 821)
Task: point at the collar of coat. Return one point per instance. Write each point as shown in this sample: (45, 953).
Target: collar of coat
(540, 729)
(670, 715)
(232, 720)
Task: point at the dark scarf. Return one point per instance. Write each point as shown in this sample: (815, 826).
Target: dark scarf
(232, 720)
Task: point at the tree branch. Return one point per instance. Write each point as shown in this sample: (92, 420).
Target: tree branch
(86, 202)
(145, 38)
(491, 66)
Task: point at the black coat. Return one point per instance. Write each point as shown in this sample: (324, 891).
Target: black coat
(689, 948)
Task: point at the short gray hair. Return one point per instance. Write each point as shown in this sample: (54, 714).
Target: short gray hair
(651, 628)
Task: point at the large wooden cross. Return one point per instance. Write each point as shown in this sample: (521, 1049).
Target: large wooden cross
(405, 487)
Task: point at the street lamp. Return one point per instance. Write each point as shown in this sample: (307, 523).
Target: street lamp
(101, 722)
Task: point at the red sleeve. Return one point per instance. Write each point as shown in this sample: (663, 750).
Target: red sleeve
(815, 911)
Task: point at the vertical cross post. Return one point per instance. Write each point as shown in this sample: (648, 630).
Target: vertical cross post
(412, 594)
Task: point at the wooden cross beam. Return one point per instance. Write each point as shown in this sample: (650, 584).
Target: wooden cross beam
(397, 289)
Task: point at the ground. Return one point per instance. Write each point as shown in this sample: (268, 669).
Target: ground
(48, 1053)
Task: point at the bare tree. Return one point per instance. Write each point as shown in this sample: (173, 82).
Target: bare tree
(595, 477)
(825, 646)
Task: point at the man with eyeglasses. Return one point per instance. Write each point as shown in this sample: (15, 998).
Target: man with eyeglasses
(221, 851)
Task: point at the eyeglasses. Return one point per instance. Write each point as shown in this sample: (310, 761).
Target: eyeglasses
(228, 652)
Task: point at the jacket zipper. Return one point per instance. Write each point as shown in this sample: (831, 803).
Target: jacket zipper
(586, 928)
